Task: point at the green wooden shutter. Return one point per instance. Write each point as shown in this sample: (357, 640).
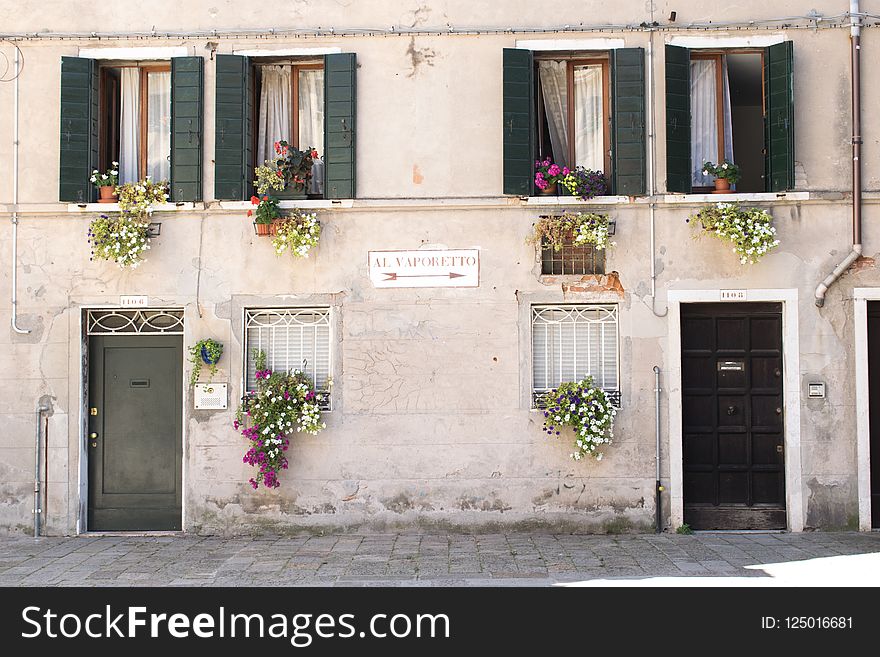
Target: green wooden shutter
(186, 128)
(628, 121)
(519, 122)
(233, 129)
(678, 119)
(79, 129)
(340, 117)
(779, 120)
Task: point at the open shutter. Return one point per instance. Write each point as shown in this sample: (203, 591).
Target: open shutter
(519, 122)
(779, 120)
(340, 116)
(186, 128)
(79, 129)
(678, 119)
(628, 121)
(233, 129)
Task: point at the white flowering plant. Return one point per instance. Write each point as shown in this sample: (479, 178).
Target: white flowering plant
(139, 197)
(107, 179)
(298, 233)
(122, 239)
(726, 170)
(580, 227)
(283, 403)
(588, 410)
(750, 230)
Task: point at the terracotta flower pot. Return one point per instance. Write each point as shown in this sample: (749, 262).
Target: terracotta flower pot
(722, 186)
(263, 229)
(550, 190)
(107, 194)
(273, 227)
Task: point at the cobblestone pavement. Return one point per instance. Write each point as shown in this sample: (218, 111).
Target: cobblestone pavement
(423, 559)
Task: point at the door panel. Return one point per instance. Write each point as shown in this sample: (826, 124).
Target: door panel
(732, 416)
(135, 438)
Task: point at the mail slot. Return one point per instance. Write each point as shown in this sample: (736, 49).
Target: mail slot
(731, 366)
(139, 383)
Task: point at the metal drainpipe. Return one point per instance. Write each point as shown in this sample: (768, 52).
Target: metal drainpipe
(652, 173)
(658, 489)
(15, 326)
(855, 37)
(38, 449)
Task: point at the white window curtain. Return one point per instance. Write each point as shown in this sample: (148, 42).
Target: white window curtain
(275, 110)
(311, 121)
(129, 125)
(704, 118)
(589, 136)
(159, 125)
(554, 88)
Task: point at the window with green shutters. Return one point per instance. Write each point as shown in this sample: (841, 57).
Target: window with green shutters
(146, 116)
(730, 104)
(307, 102)
(582, 109)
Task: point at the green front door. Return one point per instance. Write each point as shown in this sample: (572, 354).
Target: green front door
(134, 438)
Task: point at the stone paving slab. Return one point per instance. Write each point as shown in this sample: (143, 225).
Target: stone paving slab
(409, 559)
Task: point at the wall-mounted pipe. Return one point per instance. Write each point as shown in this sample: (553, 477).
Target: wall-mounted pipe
(38, 458)
(658, 489)
(16, 72)
(855, 38)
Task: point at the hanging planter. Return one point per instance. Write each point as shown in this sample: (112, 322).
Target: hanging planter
(297, 233)
(581, 228)
(588, 410)
(751, 231)
(207, 351)
(266, 215)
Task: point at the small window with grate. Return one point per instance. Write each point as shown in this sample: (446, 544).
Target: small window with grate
(577, 259)
(570, 342)
(293, 339)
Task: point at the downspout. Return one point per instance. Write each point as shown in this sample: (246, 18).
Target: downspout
(652, 172)
(15, 326)
(855, 37)
(658, 489)
(38, 451)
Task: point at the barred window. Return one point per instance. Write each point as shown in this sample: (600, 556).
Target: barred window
(579, 259)
(570, 342)
(293, 338)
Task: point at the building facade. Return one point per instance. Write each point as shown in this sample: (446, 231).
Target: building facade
(427, 129)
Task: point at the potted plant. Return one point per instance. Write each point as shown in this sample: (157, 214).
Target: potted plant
(578, 227)
(139, 197)
(266, 215)
(297, 233)
(584, 183)
(289, 173)
(588, 410)
(207, 351)
(106, 183)
(283, 403)
(726, 174)
(750, 231)
(122, 239)
(547, 174)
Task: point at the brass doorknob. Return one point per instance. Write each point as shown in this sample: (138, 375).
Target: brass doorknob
(93, 436)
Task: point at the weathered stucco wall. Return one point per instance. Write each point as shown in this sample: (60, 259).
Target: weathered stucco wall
(431, 424)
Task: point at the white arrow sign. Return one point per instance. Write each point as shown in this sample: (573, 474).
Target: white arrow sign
(447, 268)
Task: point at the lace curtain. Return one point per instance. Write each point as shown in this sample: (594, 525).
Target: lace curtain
(704, 118)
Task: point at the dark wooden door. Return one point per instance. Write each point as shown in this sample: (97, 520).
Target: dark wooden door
(732, 416)
(874, 406)
(134, 441)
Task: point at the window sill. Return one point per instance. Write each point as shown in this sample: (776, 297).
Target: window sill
(114, 207)
(306, 204)
(573, 200)
(731, 198)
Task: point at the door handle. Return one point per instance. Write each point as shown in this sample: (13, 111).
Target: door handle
(731, 410)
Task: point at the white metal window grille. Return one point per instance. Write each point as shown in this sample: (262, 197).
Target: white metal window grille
(293, 339)
(166, 321)
(570, 342)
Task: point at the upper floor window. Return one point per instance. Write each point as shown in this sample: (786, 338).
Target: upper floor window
(573, 111)
(290, 107)
(731, 105)
(305, 101)
(581, 108)
(135, 120)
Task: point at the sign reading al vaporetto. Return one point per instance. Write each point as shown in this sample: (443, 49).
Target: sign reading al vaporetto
(424, 268)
